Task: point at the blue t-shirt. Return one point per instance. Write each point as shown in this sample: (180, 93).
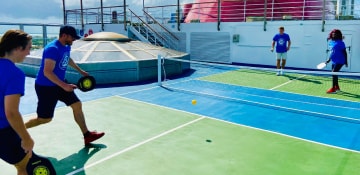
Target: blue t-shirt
(281, 42)
(61, 55)
(336, 48)
(12, 81)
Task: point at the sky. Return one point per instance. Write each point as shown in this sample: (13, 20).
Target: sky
(50, 11)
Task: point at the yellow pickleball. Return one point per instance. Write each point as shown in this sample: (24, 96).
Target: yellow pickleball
(193, 102)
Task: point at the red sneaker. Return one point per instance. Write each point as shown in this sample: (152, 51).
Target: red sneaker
(337, 88)
(92, 136)
(331, 90)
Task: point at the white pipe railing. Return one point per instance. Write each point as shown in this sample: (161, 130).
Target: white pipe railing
(239, 12)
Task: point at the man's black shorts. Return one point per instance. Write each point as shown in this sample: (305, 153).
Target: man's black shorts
(10, 146)
(48, 97)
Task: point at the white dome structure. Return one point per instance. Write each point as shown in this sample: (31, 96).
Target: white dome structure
(113, 58)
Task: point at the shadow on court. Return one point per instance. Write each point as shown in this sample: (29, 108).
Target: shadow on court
(302, 78)
(77, 160)
(348, 94)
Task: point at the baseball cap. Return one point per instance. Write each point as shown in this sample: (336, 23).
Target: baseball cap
(70, 30)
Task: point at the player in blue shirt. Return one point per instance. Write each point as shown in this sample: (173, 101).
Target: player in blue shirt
(338, 57)
(51, 87)
(283, 43)
(16, 144)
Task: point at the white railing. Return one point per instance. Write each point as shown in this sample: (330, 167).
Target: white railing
(41, 33)
(142, 27)
(170, 39)
(245, 11)
(112, 14)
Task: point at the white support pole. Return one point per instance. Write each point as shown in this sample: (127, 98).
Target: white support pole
(159, 70)
(338, 8)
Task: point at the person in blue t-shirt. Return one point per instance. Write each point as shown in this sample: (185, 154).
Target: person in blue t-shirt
(51, 87)
(16, 144)
(338, 57)
(283, 43)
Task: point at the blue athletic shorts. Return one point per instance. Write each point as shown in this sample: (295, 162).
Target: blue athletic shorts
(48, 96)
(10, 146)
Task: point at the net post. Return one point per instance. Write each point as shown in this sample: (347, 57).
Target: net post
(159, 69)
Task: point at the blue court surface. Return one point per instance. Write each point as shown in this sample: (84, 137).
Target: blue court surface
(232, 129)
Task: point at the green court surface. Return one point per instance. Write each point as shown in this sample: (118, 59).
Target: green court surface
(145, 139)
(314, 85)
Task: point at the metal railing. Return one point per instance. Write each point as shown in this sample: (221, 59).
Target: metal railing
(107, 15)
(142, 27)
(153, 31)
(247, 11)
(171, 40)
(42, 34)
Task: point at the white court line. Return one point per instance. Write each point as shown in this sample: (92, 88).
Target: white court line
(135, 146)
(289, 100)
(186, 124)
(287, 82)
(290, 136)
(169, 131)
(276, 107)
(246, 126)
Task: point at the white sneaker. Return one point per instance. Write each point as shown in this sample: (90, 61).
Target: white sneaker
(278, 73)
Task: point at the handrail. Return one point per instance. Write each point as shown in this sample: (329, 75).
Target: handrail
(176, 5)
(94, 8)
(41, 35)
(95, 14)
(147, 25)
(29, 24)
(249, 10)
(148, 15)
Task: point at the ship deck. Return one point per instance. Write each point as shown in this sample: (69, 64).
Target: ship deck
(234, 128)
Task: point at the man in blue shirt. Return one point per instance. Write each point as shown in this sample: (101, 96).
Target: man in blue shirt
(283, 43)
(16, 144)
(51, 87)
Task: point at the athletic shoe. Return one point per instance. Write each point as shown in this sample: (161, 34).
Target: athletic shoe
(337, 88)
(331, 90)
(92, 136)
(278, 73)
(282, 73)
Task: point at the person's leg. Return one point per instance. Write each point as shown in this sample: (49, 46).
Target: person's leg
(335, 81)
(11, 150)
(284, 58)
(80, 120)
(70, 99)
(21, 166)
(283, 61)
(336, 68)
(79, 116)
(278, 61)
(37, 121)
(47, 99)
(335, 84)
